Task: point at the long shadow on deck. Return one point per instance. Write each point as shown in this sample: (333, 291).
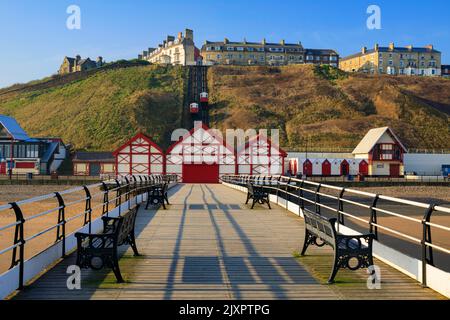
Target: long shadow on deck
(237, 268)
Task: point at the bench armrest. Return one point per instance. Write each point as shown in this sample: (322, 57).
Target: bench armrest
(110, 224)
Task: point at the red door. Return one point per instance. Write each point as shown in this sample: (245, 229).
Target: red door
(307, 168)
(345, 168)
(2, 167)
(200, 173)
(364, 168)
(394, 170)
(326, 168)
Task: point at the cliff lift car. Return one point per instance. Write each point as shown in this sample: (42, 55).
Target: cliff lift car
(204, 97)
(194, 108)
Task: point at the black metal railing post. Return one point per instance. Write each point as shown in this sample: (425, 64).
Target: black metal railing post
(341, 207)
(373, 217)
(427, 251)
(288, 197)
(87, 208)
(61, 229)
(118, 202)
(105, 209)
(302, 201)
(140, 189)
(127, 192)
(317, 199)
(19, 239)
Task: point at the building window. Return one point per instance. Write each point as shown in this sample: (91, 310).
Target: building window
(230, 48)
(240, 48)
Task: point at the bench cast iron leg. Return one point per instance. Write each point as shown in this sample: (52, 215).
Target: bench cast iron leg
(116, 270)
(307, 241)
(133, 245)
(248, 198)
(167, 199)
(253, 204)
(335, 268)
(268, 202)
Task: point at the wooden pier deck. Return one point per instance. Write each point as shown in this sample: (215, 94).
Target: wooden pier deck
(209, 245)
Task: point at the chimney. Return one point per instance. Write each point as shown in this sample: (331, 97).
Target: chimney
(245, 41)
(99, 61)
(189, 34)
(377, 46)
(264, 41)
(225, 41)
(299, 43)
(364, 50)
(391, 46)
(282, 42)
(180, 35)
(410, 47)
(430, 47)
(78, 58)
(140, 56)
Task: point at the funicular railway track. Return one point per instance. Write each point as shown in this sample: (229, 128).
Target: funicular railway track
(197, 83)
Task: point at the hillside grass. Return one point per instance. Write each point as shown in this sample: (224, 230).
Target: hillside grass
(327, 108)
(104, 110)
(318, 106)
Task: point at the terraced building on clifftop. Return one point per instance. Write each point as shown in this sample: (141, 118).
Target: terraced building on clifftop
(264, 53)
(410, 61)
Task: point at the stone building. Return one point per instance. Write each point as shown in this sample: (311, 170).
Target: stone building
(264, 53)
(176, 51)
(77, 64)
(424, 61)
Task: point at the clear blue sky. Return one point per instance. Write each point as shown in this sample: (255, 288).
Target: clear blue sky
(35, 39)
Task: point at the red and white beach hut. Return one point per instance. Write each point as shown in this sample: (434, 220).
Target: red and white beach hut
(139, 156)
(259, 156)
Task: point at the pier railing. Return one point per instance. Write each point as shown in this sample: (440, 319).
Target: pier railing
(347, 204)
(21, 252)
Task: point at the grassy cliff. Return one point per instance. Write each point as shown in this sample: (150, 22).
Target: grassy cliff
(103, 110)
(328, 108)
